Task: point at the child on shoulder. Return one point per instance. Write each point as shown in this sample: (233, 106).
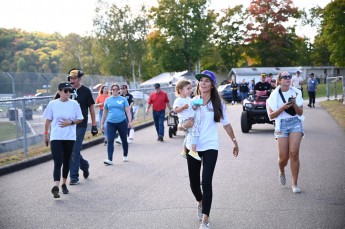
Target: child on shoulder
(186, 108)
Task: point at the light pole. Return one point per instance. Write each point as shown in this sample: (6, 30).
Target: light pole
(13, 87)
(46, 82)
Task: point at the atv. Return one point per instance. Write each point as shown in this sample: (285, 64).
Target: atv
(254, 111)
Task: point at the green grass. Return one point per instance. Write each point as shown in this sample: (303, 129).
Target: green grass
(9, 131)
(321, 90)
(337, 110)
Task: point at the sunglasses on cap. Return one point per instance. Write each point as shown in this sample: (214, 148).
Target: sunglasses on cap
(67, 90)
(286, 77)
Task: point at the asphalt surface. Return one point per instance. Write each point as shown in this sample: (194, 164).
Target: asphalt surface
(151, 190)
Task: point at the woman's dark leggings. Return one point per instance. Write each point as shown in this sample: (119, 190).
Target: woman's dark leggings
(61, 151)
(209, 160)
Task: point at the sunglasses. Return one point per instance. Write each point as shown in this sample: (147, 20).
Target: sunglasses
(67, 90)
(287, 77)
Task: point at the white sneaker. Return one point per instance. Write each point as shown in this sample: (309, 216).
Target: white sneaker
(125, 159)
(129, 140)
(118, 140)
(204, 225)
(108, 162)
(296, 189)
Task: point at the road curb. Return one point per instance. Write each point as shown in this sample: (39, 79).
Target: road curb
(46, 157)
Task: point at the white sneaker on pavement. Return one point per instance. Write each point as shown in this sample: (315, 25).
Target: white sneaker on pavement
(118, 140)
(108, 162)
(204, 225)
(125, 159)
(296, 189)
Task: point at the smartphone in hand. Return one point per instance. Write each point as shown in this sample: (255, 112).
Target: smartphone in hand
(291, 100)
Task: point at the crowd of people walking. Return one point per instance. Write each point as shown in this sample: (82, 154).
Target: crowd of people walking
(67, 117)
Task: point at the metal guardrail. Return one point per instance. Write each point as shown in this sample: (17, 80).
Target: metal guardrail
(334, 81)
(22, 124)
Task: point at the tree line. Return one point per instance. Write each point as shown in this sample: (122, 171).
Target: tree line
(182, 35)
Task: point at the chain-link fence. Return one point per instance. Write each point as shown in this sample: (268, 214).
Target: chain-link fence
(22, 124)
(20, 84)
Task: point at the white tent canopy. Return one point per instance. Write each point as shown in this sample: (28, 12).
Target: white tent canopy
(166, 79)
(254, 73)
(139, 95)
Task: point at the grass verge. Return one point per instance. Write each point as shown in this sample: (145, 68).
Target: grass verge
(337, 110)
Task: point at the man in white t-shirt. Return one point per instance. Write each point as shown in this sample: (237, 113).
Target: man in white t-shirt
(297, 81)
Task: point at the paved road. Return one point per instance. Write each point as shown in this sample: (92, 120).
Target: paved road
(152, 190)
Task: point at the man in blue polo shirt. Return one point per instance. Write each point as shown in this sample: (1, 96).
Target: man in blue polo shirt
(312, 87)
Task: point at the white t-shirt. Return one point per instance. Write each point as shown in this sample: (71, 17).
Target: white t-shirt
(187, 113)
(57, 111)
(295, 81)
(208, 138)
(287, 95)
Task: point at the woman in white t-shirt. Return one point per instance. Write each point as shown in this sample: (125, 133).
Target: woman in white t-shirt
(62, 114)
(212, 112)
(285, 107)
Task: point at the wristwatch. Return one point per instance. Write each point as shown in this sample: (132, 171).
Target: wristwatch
(72, 123)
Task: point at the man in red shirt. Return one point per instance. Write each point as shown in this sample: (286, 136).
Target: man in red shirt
(159, 100)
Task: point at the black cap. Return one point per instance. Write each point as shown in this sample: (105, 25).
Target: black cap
(63, 85)
(157, 85)
(298, 72)
(311, 74)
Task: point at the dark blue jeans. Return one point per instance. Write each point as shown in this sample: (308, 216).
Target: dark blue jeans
(311, 97)
(209, 160)
(77, 160)
(121, 128)
(158, 118)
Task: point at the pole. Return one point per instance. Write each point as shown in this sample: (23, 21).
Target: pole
(13, 87)
(46, 82)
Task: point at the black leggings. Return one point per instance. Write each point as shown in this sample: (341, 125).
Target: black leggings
(61, 151)
(209, 160)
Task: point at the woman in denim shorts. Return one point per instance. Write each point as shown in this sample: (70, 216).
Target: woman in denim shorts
(285, 107)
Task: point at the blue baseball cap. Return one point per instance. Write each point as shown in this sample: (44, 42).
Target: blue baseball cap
(208, 74)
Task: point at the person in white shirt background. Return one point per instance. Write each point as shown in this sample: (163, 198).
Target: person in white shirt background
(297, 81)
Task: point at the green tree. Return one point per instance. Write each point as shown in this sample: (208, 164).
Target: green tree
(271, 43)
(71, 49)
(333, 31)
(35, 48)
(21, 64)
(184, 28)
(317, 53)
(121, 38)
(230, 36)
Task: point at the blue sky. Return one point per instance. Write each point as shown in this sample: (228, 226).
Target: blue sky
(66, 16)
